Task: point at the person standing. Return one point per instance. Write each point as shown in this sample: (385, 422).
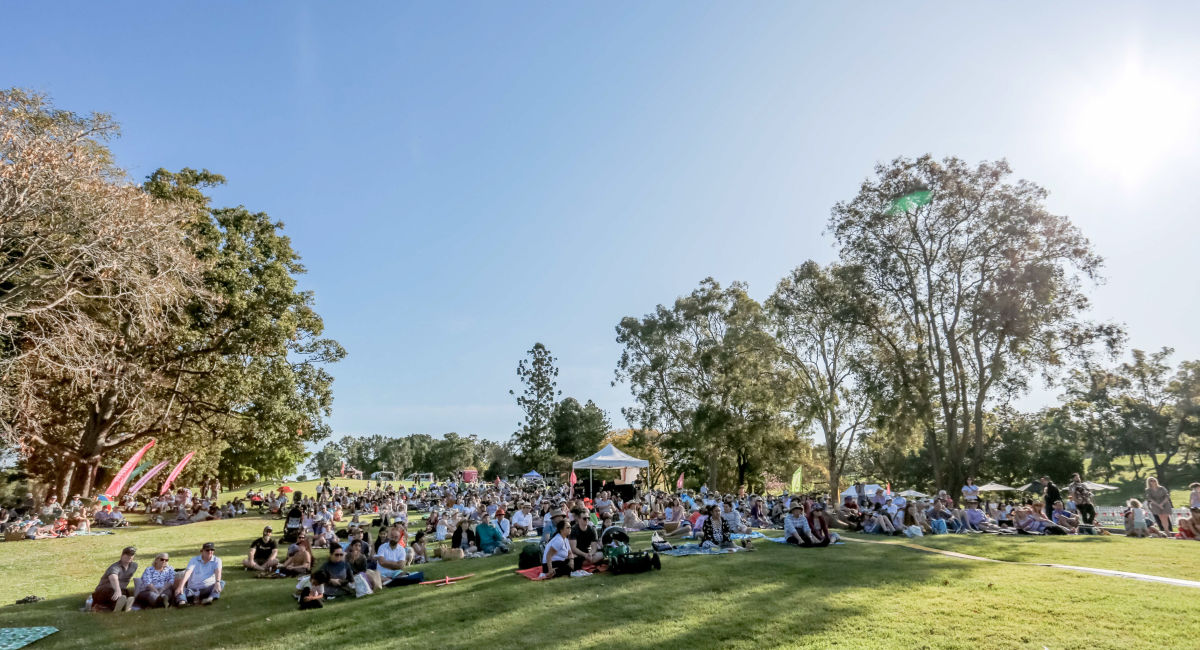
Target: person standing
(970, 492)
(113, 592)
(1050, 494)
(1083, 498)
(1158, 500)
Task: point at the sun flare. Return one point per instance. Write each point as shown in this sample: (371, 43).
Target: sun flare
(1136, 122)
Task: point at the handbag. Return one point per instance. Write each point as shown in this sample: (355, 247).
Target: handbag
(362, 586)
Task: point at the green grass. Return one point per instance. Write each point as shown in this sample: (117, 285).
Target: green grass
(1171, 558)
(852, 596)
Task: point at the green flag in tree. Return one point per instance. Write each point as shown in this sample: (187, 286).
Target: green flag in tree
(795, 487)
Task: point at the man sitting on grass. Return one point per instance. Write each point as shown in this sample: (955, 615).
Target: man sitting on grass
(263, 554)
(391, 557)
(522, 521)
(585, 542)
(201, 581)
(113, 592)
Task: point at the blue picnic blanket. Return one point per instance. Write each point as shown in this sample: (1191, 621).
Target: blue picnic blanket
(694, 549)
(752, 535)
(12, 638)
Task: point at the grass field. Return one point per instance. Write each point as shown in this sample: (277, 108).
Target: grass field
(852, 596)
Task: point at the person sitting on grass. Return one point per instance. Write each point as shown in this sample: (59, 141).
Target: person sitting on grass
(113, 592)
(263, 554)
(556, 558)
(733, 517)
(312, 595)
(464, 538)
(1189, 527)
(1138, 522)
(201, 581)
(339, 576)
(798, 531)
(419, 552)
(391, 557)
(585, 542)
(631, 520)
(1065, 519)
(299, 559)
(488, 537)
(522, 521)
(715, 533)
(158, 582)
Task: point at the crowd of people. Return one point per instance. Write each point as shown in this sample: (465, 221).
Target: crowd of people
(371, 538)
(1059, 512)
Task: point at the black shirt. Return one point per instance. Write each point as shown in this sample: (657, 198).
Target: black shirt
(263, 550)
(583, 538)
(338, 570)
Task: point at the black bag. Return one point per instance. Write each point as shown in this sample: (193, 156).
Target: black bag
(531, 556)
(635, 562)
(404, 581)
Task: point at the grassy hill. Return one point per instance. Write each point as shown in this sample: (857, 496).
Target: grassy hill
(855, 595)
(1177, 477)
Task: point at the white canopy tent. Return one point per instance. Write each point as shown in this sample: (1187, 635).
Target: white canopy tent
(995, 487)
(913, 493)
(1097, 487)
(611, 458)
(867, 490)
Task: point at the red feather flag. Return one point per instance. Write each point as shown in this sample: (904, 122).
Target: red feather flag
(122, 476)
(175, 473)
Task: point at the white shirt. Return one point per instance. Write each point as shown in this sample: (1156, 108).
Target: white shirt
(970, 492)
(522, 519)
(557, 550)
(504, 527)
(389, 554)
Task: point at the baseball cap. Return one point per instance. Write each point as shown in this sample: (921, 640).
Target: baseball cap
(208, 546)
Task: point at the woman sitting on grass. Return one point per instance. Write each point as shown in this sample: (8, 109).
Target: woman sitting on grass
(715, 532)
(631, 520)
(1189, 527)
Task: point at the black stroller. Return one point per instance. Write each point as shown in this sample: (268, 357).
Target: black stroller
(293, 525)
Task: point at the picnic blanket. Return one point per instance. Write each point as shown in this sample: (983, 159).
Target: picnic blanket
(751, 535)
(533, 572)
(783, 540)
(694, 549)
(12, 638)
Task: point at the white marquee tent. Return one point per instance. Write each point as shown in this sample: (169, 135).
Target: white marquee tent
(612, 458)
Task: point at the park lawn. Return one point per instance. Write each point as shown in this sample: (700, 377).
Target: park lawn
(308, 488)
(1172, 558)
(855, 596)
(1178, 476)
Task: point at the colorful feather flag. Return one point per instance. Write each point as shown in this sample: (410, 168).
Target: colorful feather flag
(796, 486)
(679, 482)
(122, 476)
(175, 472)
(146, 479)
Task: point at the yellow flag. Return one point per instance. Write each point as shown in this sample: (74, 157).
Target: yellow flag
(796, 481)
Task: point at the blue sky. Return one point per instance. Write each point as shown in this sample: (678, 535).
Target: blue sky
(465, 180)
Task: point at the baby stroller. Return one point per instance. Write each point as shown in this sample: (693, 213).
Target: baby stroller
(291, 529)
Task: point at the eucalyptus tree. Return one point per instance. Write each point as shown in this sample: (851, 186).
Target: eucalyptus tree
(821, 351)
(976, 287)
(702, 373)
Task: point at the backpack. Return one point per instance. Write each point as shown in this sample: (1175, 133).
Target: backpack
(633, 562)
(531, 556)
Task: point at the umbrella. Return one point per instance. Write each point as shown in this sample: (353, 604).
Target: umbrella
(285, 489)
(913, 493)
(1027, 488)
(1096, 487)
(996, 487)
(103, 498)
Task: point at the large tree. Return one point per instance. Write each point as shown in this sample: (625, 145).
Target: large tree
(970, 287)
(578, 428)
(821, 349)
(701, 372)
(534, 440)
(172, 320)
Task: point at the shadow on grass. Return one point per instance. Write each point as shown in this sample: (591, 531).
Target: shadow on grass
(701, 601)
